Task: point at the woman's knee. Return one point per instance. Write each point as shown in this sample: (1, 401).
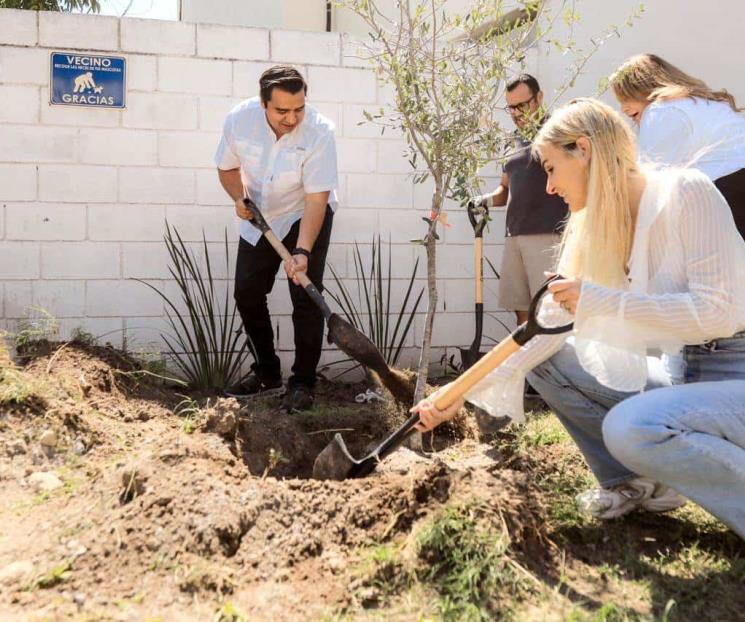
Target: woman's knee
(631, 430)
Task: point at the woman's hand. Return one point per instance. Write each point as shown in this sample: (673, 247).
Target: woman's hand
(566, 293)
(429, 416)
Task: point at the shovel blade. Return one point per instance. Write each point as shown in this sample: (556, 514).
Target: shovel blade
(469, 357)
(334, 462)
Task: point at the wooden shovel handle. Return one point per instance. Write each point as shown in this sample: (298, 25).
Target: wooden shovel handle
(285, 255)
(459, 387)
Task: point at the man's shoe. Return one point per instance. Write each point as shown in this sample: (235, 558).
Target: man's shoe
(639, 493)
(298, 398)
(253, 386)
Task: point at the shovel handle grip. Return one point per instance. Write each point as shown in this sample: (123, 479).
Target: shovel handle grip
(474, 374)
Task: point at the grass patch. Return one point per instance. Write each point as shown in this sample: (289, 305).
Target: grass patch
(459, 568)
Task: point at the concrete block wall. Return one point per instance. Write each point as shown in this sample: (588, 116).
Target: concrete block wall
(85, 193)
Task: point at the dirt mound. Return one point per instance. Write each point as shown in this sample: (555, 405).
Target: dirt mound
(171, 513)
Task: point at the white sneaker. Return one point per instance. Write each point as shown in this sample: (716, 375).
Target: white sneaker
(620, 500)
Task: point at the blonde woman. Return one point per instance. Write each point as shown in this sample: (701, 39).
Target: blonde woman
(682, 122)
(651, 259)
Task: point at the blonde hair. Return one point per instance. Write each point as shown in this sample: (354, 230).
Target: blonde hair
(647, 77)
(597, 240)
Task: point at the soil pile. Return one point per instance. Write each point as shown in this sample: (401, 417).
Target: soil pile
(117, 507)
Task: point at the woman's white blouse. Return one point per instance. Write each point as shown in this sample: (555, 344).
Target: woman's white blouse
(693, 133)
(686, 285)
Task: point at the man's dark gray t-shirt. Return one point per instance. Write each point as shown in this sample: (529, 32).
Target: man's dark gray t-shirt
(530, 209)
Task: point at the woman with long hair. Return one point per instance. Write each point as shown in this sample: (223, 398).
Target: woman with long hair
(651, 259)
(684, 123)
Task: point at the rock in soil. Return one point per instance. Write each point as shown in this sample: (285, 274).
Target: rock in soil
(48, 438)
(16, 572)
(44, 481)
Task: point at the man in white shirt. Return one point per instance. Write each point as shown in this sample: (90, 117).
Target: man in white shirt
(282, 155)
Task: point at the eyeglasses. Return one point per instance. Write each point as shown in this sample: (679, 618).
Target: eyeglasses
(521, 108)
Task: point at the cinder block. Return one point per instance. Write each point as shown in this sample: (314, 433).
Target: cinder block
(81, 260)
(18, 182)
(331, 111)
(354, 225)
(122, 298)
(18, 27)
(402, 259)
(119, 147)
(213, 110)
(338, 258)
(192, 149)
(246, 78)
(76, 184)
(380, 191)
(126, 222)
(449, 329)
(158, 36)
(356, 155)
(461, 231)
(160, 111)
(144, 333)
(142, 73)
(356, 126)
(18, 297)
(355, 52)
(342, 84)
(45, 221)
(77, 116)
(215, 41)
(19, 104)
(402, 225)
(19, 260)
(294, 46)
(195, 75)
(145, 260)
(37, 144)
(60, 298)
(24, 66)
(393, 157)
(156, 185)
(209, 190)
(68, 30)
(192, 221)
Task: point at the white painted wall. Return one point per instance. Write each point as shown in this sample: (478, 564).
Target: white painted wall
(84, 193)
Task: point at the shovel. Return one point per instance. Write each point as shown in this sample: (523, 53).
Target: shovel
(348, 338)
(478, 216)
(335, 461)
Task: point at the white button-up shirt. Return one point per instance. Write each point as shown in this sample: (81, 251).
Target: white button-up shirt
(693, 133)
(278, 173)
(686, 286)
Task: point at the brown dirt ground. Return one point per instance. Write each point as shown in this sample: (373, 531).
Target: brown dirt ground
(153, 522)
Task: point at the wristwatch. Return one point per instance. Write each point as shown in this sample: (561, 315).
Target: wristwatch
(301, 251)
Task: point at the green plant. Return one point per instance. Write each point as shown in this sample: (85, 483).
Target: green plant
(89, 6)
(229, 613)
(188, 409)
(373, 312)
(465, 555)
(37, 327)
(207, 344)
(52, 577)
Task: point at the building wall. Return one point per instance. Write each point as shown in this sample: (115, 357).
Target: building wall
(84, 193)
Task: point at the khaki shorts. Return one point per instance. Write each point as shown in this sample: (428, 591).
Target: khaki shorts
(525, 259)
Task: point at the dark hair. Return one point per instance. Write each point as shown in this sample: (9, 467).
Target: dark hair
(283, 77)
(527, 80)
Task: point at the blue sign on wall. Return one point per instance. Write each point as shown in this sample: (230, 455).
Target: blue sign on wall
(86, 80)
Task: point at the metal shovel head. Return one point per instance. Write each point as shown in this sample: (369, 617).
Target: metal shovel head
(353, 343)
(336, 463)
(469, 357)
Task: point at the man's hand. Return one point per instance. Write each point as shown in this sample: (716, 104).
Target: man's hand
(481, 200)
(242, 211)
(429, 416)
(295, 265)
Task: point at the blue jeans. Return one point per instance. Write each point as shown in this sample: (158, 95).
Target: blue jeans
(690, 437)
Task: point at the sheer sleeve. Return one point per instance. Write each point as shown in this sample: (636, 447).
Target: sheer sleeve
(665, 134)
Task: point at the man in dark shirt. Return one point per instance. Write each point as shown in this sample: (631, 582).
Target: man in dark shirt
(534, 218)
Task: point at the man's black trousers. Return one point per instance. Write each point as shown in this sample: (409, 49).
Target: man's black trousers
(255, 271)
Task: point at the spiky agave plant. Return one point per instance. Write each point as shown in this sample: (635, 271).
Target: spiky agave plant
(207, 344)
(372, 312)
